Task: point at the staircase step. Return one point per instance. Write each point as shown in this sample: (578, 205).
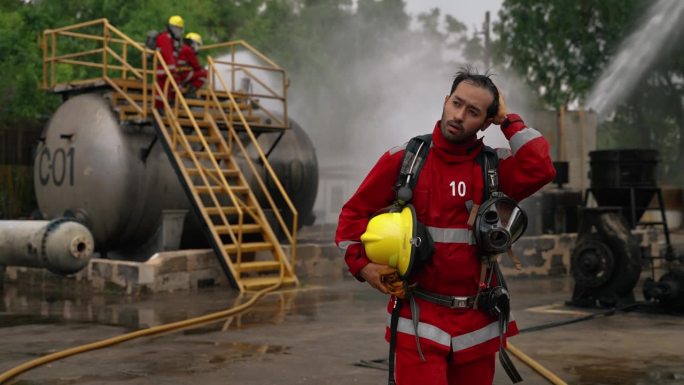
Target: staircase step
(135, 95)
(197, 139)
(248, 267)
(226, 210)
(234, 189)
(253, 283)
(222, 95)
(204, 155)
(227, 173)
(227, 105)
(249, 228)
(184, 122)
(249, 247)
(129, 83)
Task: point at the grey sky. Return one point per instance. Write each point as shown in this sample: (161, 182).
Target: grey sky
(470, 12)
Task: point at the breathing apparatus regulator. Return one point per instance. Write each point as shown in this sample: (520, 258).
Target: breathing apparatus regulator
(500, 221)
(395, 237)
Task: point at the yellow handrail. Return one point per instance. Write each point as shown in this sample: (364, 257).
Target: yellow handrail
(290, 235)
(108, 53)
(112, 51)
(271, 67)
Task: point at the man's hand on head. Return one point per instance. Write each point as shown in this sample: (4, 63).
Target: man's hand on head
(501, 114)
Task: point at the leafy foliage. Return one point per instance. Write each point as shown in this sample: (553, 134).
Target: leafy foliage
(561, 47)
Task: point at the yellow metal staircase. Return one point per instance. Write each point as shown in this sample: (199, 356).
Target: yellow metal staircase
(202, 137)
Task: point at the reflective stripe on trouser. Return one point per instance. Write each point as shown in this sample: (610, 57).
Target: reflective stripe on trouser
(441, 337)
(189, 76)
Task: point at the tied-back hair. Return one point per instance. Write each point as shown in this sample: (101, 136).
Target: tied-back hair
(481, 80)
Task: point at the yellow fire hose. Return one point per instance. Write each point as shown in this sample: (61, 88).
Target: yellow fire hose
(174, 326)
(534, 365)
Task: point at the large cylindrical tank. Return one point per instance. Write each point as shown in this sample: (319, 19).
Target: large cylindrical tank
(294, 161)
(114, 177)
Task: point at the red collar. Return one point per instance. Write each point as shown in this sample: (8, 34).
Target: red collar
(455, 152)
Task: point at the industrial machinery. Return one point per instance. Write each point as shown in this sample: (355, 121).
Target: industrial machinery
(607, 260)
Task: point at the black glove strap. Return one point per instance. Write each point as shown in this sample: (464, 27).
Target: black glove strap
(394, 322)
(415, 319)
(504, 359)
(504, 317)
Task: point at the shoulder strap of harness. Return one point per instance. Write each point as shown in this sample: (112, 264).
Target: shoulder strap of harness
(414, 158)
(489, 163)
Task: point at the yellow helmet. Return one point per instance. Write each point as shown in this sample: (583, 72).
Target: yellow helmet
(195, 37)
(176, 21)
(397, 239)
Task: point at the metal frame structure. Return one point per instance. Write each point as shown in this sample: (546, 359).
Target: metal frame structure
(200, 137)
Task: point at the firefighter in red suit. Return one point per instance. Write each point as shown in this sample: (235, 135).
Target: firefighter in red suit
(458, 345)
(191, 74)
(168, 44)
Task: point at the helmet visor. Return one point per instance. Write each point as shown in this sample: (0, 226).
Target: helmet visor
(176, 31)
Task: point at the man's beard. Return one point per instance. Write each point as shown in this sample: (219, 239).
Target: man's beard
(454, 138)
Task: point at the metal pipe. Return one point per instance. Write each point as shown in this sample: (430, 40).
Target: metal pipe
(62, 245)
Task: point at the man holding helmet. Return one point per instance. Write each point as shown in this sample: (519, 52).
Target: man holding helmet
(410, 230)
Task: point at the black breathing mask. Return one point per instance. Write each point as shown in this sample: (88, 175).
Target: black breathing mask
(500, 221)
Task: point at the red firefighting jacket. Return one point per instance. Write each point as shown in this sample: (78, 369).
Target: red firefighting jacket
(189, 68)
(166, 46)
(449, 178)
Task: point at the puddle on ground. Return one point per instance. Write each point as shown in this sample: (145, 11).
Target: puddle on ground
(662, 370)
(9, 320)
(241, 351)
(30, 306)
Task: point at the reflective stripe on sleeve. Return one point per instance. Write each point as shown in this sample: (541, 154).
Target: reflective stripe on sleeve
(160, 72)
(345, 244)
(445, 235)
(503, 153)
(396, 149)
(522, 137)
(425, 330)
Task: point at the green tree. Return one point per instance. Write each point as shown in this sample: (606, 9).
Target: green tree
(560, 49)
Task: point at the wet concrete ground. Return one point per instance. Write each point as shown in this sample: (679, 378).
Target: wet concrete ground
(311, 335)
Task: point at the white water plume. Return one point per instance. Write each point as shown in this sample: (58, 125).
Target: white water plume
(635, 56)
